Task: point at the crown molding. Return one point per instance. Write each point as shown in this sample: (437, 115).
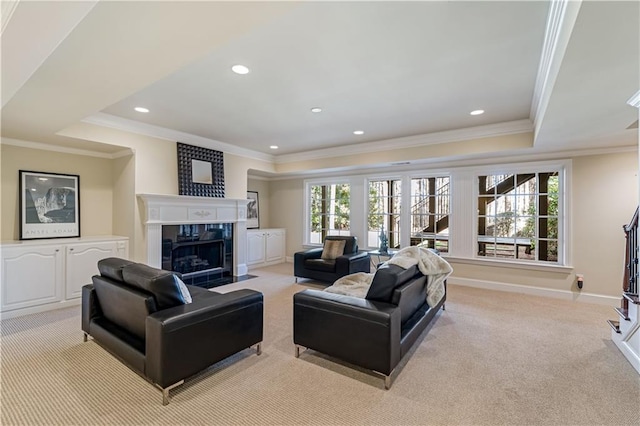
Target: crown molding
(65, 150)
(560, 20)
(490, 130)
(554, 20)
(8, 7)
(635, 100)
(119, 123)
(257, 177)
(124, 153)
(431, 165)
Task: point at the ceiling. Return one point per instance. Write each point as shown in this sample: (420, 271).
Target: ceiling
(390, 69)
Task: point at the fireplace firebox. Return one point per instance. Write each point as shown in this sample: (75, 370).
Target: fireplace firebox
(203, 253)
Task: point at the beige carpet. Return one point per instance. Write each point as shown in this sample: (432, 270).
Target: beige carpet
(491, 358)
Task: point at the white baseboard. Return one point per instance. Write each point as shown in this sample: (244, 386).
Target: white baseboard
(262, 265)
(537, 291)
(41, 308)
(242, 269)
(288, 259)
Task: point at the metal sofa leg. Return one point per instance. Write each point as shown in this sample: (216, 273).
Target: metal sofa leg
(85, 338)
(259, 349)
(296, 280)
(297, 351)
(443, 307)
(387, 379)
(165, 392)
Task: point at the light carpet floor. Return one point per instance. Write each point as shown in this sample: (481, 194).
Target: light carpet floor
(491, 358)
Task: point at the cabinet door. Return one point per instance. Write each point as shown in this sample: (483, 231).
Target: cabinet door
(31, 276)
(255, 247)
(123, 249)
(82, 264)
(275, 246)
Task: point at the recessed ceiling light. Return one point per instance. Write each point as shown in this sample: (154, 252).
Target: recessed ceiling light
(240, 69)
(141, 109)
(274, 147)
(316, 109)
(477, 112)
(358, 132)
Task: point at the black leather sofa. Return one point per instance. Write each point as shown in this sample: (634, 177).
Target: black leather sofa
(309, 264)
(375, 332)
(139, 314)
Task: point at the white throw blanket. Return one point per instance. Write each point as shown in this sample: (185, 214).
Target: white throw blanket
(429, 263)
(356, 285)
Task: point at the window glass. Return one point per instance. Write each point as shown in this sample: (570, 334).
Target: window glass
(329, 211)
(384, 217)
(430, 210)
(518, 216)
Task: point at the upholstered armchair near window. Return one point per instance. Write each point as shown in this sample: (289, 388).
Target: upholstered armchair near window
(338, 257)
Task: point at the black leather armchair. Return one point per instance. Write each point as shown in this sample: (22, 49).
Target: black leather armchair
(309, 264)
(140, 315)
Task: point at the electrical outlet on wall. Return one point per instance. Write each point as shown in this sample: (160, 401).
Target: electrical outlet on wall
(580, 280)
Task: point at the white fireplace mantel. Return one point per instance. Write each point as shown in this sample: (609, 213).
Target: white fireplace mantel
(185, 210)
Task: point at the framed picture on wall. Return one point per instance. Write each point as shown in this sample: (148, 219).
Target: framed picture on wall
(49, 205)
(253, 214)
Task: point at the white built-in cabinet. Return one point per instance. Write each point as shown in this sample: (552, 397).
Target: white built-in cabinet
(265, 247)
(49, 274)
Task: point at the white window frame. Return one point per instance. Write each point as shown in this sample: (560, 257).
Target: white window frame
(429, 175)
(463, 214)
(403, 185)
(307, 205)
(563, 168)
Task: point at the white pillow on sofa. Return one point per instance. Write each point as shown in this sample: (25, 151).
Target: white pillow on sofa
(184, 290)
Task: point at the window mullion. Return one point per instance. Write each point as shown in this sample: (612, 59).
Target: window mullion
(463, 214)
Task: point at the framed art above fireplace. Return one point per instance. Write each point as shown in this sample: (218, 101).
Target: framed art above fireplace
(200, 171)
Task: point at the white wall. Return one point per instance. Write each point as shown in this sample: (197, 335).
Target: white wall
(600, 207)
(287, 211)
(262, 187)
(124, 211)
(604, 196)
(348, 157)
(96, 187)
(153, 170)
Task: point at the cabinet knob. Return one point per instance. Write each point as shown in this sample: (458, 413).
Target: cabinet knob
(57, 250)
(70, 249)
